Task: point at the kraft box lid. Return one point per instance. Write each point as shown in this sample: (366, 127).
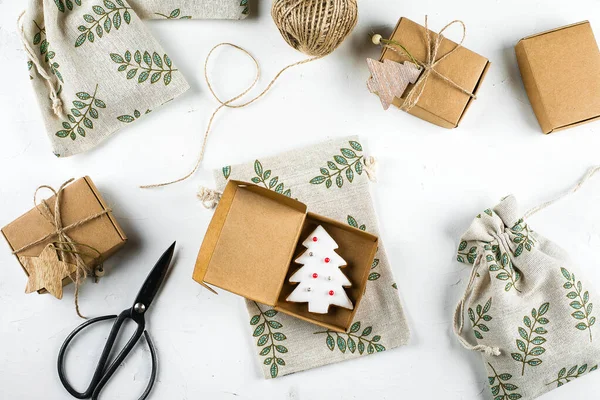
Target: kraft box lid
(561, 74)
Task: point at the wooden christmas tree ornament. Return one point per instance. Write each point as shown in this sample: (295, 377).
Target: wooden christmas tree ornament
(389, 79)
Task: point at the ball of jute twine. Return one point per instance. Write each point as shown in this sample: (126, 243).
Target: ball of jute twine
(314, 27)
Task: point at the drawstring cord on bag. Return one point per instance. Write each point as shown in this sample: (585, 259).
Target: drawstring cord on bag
(459, 316)
(209, 197)
(370, 167)
(57, 105)
(590, 173)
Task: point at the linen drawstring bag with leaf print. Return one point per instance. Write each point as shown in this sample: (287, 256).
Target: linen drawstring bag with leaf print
(94, 68)
(531, 311)
(332, 178)
(191, 9)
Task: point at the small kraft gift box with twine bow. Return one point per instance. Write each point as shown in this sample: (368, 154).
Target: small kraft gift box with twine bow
(64, 238)
(450, 74)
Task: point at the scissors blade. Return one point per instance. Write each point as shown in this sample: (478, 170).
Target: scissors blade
(155, 278)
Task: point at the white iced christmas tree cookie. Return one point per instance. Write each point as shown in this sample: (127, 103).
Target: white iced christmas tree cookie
(320, 281)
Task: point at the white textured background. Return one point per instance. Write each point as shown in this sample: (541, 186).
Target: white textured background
(432, 182)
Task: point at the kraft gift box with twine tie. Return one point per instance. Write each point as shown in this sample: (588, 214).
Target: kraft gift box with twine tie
(531, 310)
(64, 238)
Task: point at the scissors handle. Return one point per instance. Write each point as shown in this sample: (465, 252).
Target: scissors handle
(102, 374)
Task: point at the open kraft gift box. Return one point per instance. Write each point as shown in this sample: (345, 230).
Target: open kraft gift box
(251, 244)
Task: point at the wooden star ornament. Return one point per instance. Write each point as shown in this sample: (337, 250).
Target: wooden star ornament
(390, 79)
(46, 271)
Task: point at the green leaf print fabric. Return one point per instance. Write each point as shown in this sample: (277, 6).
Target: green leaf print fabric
(284, 344)
(191, 9)
(530, 310)
(101, 63)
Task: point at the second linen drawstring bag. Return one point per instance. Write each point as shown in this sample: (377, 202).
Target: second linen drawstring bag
(94, 68)
(529, 308)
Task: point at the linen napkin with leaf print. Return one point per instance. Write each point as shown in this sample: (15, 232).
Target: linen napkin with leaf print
(95, 68)
(191, 9)
(331, 179)
(530, 310)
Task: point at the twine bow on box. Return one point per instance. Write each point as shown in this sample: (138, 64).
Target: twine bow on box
(48, 270)
(429, 65)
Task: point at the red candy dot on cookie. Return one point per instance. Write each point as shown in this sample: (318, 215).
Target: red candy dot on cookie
(331, 292)
(315, 239)
(315, 275)
(327, 259)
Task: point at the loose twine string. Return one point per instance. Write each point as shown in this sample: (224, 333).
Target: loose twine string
(51, 82)
(229, 102)
(588, 175)
(314, 27)
(459, 314)
(433, 47)
(64, 244)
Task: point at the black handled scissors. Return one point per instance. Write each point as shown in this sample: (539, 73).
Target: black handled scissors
(142, 302)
